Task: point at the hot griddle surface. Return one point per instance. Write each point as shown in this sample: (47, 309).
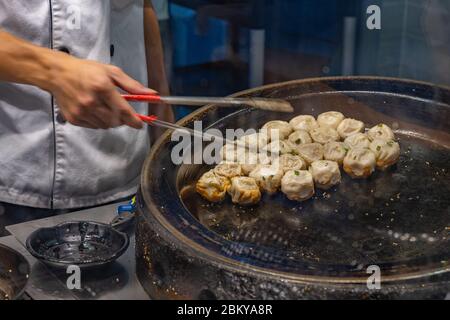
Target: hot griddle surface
(397, 219)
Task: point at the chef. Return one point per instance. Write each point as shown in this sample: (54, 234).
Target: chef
(68, 139)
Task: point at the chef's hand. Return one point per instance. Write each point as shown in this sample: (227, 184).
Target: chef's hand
(86, 93)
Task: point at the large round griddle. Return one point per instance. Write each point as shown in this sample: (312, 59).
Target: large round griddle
(398, 219)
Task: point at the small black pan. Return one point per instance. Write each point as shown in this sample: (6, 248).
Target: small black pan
(86, 244)
(14, 271)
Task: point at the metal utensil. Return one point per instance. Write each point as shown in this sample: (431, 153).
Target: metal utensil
(153, 120)
(276, 105)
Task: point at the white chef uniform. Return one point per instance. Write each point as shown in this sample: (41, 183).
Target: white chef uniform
(44, 162)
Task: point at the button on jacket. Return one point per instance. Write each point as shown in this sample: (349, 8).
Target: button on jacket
(48, 163)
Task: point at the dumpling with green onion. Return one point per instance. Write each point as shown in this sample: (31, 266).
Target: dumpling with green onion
(276, 130)
(310, 152)
(330, 119)
(357, 140)
(303, 122)
(297, 185)
(387, 152)
(335, 151)
(381, 131)
(299, 137)
(290, 162)
(349, 126)
(268, 177)
(359, 162)
(324, 134)
(325, 173)
(278, 147)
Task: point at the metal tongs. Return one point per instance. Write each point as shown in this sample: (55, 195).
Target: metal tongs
(153, 120)
(277, 105)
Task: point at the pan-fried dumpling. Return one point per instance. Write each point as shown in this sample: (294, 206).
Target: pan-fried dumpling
(325, 173)
(244, 191)
(290, 162)
(299, 137)
(360, 162)
(228, 169)
(310, 152)
(298, 185)
(381, 131)
(303, 122)
(387, 152)
(335, 151)
(277, 130)
(212, 187)
(330, 119)
(268, 177)
(255, 141)
(349, 126)
(278, 147)
(324, 134)
(251, 160)
(357, 140)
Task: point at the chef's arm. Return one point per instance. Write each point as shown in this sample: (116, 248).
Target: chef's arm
(85, 91)
(155, 66)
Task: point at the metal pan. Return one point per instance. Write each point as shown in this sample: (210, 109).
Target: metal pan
(86, 244)
(397, 220)
(14, 271)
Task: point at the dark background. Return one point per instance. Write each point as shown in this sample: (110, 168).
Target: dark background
(208, 42)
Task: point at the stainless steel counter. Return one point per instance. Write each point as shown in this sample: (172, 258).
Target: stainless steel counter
(117, 282)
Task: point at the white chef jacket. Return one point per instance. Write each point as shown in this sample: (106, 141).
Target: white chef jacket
(49, 164)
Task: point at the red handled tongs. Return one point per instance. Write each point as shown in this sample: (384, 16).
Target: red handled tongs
(261, 103)
(269, 104)
(153, 120)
